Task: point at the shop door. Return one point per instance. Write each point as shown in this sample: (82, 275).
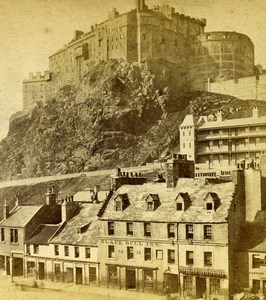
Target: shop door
(69, 275)
(41, 270)
(78, 275)
(200, 287)
(130, 278)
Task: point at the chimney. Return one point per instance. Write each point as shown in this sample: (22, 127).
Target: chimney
(78, 34)
(50, 196)
(6, 210)
(95, 193)
(255, 112)
(68, 208)
(178, 167)
(140, 5)
(219, 116)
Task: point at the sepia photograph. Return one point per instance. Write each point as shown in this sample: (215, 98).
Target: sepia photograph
(133, 149)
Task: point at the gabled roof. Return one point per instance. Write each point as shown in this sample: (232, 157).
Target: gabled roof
(197, 191)
(21, 215)
(82, 229)
(188, 121)
(42, 234)
(153, 197)
(121, 197)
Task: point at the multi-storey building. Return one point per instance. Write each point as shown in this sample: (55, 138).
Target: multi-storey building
(148, 34)
(224, 143)
(171, 236)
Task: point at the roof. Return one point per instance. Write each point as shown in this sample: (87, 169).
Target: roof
(82, 229)
(188, 121)
(42, 234)
(197, 191)
(21, 215)
(233, 123)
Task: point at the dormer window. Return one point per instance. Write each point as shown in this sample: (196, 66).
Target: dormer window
(183, 202)
(212, 202)
(152, 202)
(121, 202)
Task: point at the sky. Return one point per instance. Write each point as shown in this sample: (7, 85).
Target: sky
(32, 30)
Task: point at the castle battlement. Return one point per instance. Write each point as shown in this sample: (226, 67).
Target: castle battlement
(39, 76)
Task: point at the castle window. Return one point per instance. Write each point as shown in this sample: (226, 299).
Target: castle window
(189, 232)
(207, 232)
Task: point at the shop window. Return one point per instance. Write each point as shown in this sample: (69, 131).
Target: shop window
(87, 252)
(207, 232)
(66, 250)
(35, 249)
(255, 285)
(13, 236)
(111, 228)
(57, 269)
(159, 254)
(92, 274)
(130, 253)
(171, 256)
(147, 254)
(112, 275)
(215, 286)
(207, 259)
(76, 252)
(148, 278)
(188, 283)
(129, 228)
(111, 251)
(171, 230)
(189, 258)
(189, 232)
(147, 229)
(2, 234)
(56, 250)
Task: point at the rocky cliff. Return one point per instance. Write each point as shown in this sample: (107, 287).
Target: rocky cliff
(121, 113)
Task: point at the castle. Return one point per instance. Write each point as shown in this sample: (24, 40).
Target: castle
(158, 33)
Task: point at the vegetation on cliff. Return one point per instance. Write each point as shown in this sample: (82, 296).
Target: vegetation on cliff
(121, 113)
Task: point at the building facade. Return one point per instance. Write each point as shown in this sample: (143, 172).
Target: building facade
(224, 143)
(146, 34)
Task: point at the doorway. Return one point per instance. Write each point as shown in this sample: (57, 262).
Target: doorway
(78, 275)
(69, 275)
(41, 271)
(130, 278)
(200, 287)
(17, 266)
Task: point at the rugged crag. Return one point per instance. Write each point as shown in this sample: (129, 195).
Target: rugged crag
(121, 113)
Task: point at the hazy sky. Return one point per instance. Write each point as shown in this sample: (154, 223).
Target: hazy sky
(31, 30)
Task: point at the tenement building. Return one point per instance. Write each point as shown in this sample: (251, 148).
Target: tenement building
(177, 236)
(223, 143)
(142, 34)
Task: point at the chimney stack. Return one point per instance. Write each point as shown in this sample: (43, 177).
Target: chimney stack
(50, 196)
(6, 210)
(255, 112)
(219, 116)
(68, 208)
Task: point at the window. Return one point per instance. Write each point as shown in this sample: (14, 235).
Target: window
(189, 257)
(184, 145)
(189, 232)
(147, 229)
(111, 251)
(171, 230)
(207, 232)
(129, 228)
(188, 283)
(207, 259)
(92, 274)
(130, 253)
(255, 285)
(88, 252)
(209, 206)
(150, 205)
(111, 228)
(56, 250)
(159, 254)
(118, 205)
(57, 269)
(35, 249)
(13, 235)
(215, 285)
(76, 251)
(171, 256)
(2, 234)
(179, 206)
(147, 254)
(66, 250)
(148, 278)
(255, 261)
(112, 275)
(28, 249)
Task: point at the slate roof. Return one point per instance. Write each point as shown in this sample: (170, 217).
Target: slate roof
(233, 123)
(42, 234)
(197, 190)
(82, 229)
(21, 215)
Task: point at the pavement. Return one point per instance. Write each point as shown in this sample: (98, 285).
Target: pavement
(22, 288)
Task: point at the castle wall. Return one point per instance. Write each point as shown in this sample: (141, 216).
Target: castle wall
(220, 56)
(243, 88)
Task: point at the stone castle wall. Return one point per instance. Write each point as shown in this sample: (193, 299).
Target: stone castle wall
(148, 34)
